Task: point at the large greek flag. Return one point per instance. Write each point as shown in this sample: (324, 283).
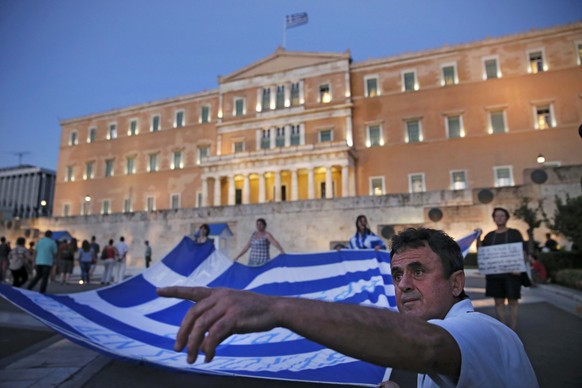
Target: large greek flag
(129, 321)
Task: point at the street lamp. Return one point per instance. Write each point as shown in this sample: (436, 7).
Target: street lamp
(42, 207)
(541, 159)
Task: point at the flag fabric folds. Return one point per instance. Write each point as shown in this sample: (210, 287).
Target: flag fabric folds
(296, 19)
(129, 321)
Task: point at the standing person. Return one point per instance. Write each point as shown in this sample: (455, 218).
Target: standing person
(203, 234)
(551, 245)
(86, 258)
(108, 257)
(66, 260)
(32, 252)
(4, 251)
(96, 249)
(364, 237)
(46, 250)
(121, 264)
(148, 254)
(436, 332)
(20, 261)
(259, 244)
(505, 286)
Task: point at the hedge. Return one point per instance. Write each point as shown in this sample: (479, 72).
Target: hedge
(569, 277)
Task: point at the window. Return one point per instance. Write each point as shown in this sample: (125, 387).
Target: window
(458, 180)
(377, 185)
(155, 125)
(325, 135)
(132, 130)
(579, 51)
(239, 107)
(179, 119)
(203, 152)
(416, 183)
(66, 210)
(266, 139)
(371, 85)
(92, 136)
(73, 138)
(204, 114)
(177, 160)
(89, 171)
(112, 132)
(543, 119)
(175, 201)
(70, 175)
(324, 93)
(280, 100)
(490, 68)
(536, 62)
(409, 81)
(280, 139)
(238, 196)
(497, 122)
(295, 135)
(153, 162)
(239, 146)
(130, 165)
(449, 75)
(413, 131)
(454, 126)
(503, 176)
(266, 99)
(106, 206)
(127, 205)
(150, 204)
(295, 99)
(374, 136)
(109, 163)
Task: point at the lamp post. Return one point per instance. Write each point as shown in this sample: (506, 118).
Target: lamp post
(42, 207)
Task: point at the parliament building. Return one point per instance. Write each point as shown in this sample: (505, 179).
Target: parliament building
(298, 126)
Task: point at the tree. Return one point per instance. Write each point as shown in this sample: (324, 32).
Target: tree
(568, 220)
(530, 216)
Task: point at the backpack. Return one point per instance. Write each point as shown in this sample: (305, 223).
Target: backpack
(108, 253)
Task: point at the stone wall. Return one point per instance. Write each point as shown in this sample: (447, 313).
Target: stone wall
(303, 226)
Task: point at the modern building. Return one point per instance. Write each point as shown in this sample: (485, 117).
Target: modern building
(301, 126)
(26, 192)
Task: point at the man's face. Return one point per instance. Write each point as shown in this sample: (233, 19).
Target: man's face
(421, 287)
(499, 218)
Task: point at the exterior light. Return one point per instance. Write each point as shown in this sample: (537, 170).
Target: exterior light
(87, 198)
(541, 159)
(43, 203)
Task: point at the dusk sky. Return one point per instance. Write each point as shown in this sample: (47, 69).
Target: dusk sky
(61, 59)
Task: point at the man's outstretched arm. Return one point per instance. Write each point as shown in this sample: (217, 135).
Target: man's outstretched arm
(370, 334)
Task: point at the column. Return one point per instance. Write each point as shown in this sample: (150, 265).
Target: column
(287, 135)
(218, 145)
(259, 107)
(349, 132)
(272, 137)
(273, 102)
(277, 186)
(301, 93)
(311, 184)
(204, 191)
(287, 95)
(217, 191)
(246, 194)
(328, 183)
(231, 190)
(294, 186)
(345, 176)
(301, 134)
(262, 198)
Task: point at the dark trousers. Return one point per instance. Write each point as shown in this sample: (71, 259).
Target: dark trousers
(19, 276)
(42, 272)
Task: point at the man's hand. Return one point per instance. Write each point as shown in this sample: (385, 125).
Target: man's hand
(217, 314)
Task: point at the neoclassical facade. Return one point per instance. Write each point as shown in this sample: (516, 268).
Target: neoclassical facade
(298, 126)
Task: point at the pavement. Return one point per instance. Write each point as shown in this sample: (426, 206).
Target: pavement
(32, 355)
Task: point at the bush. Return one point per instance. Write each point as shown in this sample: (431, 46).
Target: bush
(569, 277)
(556, 261)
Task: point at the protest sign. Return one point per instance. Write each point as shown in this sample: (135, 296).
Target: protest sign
(503, 258)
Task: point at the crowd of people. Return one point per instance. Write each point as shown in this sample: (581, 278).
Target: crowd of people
(53, 261)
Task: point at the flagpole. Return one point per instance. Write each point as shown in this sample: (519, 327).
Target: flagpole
(284, 31)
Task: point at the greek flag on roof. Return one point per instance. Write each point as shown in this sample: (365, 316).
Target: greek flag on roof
(297, 19)
(129, 321)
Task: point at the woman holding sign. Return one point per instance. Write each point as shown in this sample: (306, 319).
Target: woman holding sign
(502, 286)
